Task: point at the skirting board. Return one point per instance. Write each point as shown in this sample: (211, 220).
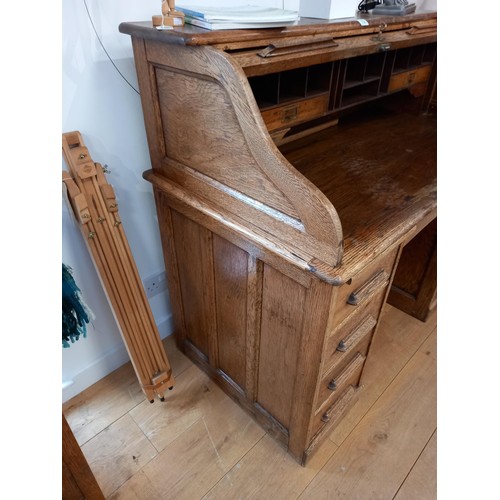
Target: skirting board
(107, 363)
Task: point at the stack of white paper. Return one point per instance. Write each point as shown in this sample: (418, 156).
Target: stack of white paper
(238, 17)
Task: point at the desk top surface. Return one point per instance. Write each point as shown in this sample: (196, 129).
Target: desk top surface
(378, 168)
(192, 35)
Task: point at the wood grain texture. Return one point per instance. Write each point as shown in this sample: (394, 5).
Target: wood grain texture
(315, 320)
(259, 232)
(266, 470)
(166, 228)
(398, 428)
(347, 47)
(282, 305)
(379, 193)
(421, 482)
(253, 314)
(78, 481)
(398, 338)
(117, 453)
(195, 266)
(208, 65)
(306, 28)
(183, 99)
(230, 274)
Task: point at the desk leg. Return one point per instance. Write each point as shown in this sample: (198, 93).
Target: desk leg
(414, 286)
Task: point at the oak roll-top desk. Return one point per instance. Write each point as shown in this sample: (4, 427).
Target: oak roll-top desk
(293, 169)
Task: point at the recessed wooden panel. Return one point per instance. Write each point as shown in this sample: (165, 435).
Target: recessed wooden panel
(185, 102)
(282, 316)
(193, 245)
(230, 275)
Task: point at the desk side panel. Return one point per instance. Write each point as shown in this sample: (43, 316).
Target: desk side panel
(205, 130)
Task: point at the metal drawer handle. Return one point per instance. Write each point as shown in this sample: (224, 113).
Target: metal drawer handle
(361, 294)
(332, 385)
(342, 347)
(294, 46)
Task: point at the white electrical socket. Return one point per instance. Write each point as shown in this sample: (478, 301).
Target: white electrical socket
(155, 284)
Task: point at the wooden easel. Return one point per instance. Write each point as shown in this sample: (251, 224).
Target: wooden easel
(94, 205)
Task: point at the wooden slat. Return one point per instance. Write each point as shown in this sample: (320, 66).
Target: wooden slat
(193, 244)
(230, 275)
(255, 272)
(268, 471)
(116, 454)
(421, 482)
(282, 305)
(194, 461)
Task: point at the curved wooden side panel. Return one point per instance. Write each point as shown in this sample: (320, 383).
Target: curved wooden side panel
(209, 137)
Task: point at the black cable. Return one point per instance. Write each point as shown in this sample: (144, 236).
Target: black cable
(366, 5)
(104, 48)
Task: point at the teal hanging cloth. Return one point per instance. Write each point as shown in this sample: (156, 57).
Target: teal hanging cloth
(75, 313)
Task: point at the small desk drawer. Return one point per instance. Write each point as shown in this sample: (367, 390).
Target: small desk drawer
(366, 285)
(346, 339)
(347, 379)
(406, 79)
(288, 115)
(332, 385)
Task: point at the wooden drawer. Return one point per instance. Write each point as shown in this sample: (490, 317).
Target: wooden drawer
(347, 378)
(297, 112)
(408, 78)
(343, 342)
(365, 286)
(335, 413)
(332, 381)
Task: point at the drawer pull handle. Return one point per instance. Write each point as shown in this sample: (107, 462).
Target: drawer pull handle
(332, 385)
(325, 418)
(367, 290)
(293, 47)
(342, 347)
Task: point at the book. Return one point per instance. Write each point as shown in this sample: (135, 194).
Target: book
(229, 25)
(239, 14)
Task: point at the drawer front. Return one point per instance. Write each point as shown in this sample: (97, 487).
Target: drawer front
(335, 413)
(343, 342)
(291, 114)
(332, 382)
(350, 375)
(406, 79)
(347, 379)
(365, 286)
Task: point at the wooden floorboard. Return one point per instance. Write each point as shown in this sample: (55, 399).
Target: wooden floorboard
(375, 459)
(421, 484)
(200, 444)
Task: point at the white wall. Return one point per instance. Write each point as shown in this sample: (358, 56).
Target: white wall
(100, 104)
(103, 106)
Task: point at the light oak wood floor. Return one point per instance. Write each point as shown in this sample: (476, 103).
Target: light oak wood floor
(200, 444)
